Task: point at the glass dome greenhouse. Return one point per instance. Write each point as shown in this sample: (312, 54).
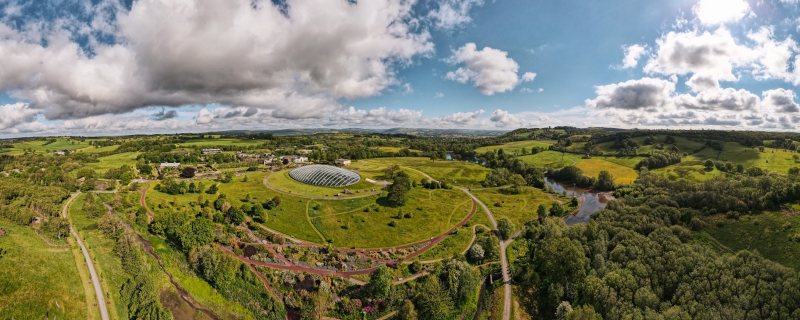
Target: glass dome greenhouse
(324, 176)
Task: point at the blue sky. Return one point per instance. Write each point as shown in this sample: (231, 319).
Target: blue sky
(118, 67)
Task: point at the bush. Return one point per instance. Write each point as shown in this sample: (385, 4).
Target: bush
(392, 224)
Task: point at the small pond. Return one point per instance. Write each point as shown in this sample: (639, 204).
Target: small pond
(591, 201)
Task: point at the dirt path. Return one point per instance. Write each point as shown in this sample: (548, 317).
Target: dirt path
(474, 236)
(101, 301)
(144, 204)
(50, 243)
(412, 278)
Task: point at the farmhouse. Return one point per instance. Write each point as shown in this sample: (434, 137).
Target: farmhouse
(170, 165)
(211, 151)
(294, 159)
(343, 162)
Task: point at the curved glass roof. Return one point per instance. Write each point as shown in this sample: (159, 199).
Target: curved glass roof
(324, 176)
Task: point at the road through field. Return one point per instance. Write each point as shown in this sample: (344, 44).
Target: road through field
(101, 301)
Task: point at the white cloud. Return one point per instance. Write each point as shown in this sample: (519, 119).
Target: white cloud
(502, 118)
(204, 116)
(451, 14)
(714, 12)
(526, 90)
(632, 55)
(541, 89)
(491, 70)
(298, 63)
(438, 95)
(12, 115)
(781, 101)
(528, 77)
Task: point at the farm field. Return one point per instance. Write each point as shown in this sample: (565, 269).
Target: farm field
(44, 281)
(395, 149)
(775, 160)
(454, 172)
(691, 168)
(621, 174)
(552, 159)
(519, 208)
(516, 147)
(38, 146)
(767, 233)
(112, 161)
(91, 149)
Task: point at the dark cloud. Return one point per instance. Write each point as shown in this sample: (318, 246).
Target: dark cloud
(164, 115)
(633, 95)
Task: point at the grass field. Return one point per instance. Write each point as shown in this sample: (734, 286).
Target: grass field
(113, 161)
(38, 146)
(37, 280)
(433, 212)
(683, 144)
(282, 181)
(552, 159)
(622, 175)
(454, 172)
(768, 233)
(456, 243)
(691, 168)
(516, 146)
(106, 261)
(91, 149)
(775, 160)
(519, 208)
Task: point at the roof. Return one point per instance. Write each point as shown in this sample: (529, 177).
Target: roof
(170, 164)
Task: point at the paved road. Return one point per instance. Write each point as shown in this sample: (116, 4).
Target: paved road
(101, 301)
(503, 259)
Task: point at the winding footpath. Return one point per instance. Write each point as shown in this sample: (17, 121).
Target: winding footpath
(101, 301)
(506, 269)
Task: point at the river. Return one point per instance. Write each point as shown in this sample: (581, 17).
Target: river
(591, 202)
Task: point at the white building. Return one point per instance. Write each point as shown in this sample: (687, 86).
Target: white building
(211, 151)
(170, 165)
(294, 159)
(343, 162)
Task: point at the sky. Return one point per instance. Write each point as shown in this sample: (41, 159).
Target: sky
(110, 67)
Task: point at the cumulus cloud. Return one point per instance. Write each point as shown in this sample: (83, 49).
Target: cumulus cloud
(632, 55)
(12, 115)
(295, 60)
(711, 55)
(719, 99)
(780, 100)
(438, 95)
(491, 70)
(502, 118)
(373, 118)
(451, 14)
(645, 93)
(528, 77)
(714, 12)
(526, 90)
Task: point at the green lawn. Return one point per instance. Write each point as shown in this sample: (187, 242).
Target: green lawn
(517, 146)
(433, 212)
(38, 281)
(456, 243)
(775, 160)
(91, 149)
(768, 233)
(691, 168)
(454, 172)
(519, 208)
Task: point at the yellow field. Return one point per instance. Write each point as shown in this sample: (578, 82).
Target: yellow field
(592, 168)
(516, 146)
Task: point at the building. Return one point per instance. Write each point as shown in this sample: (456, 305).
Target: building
(269, 159)
(247, 155)
(59, 153)
(343, 162)
(170, 165)
(211, 151)
(293, 159)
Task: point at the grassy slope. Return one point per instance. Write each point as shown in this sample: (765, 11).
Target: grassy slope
(516, 146)
(456, 243)
(37, 280)
(765, 233)
(39, 147)
(621, 174)
(519, 208)
(454, 172)
(113, 161)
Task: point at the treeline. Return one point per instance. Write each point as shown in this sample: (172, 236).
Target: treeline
(22, 201)
(636, 260)
(140, 292)
(505, 166)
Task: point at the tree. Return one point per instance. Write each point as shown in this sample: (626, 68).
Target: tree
(506, 228)
(517, 182)
(407, 311)
(390, 171)
(709, 164)
(213, 189)
(380, 283)
(794, 171)
(197, 233)
(145, 170)
(605, 181)
(433, 301)
(476, 252)
(460, 281)
(564, 308)
(234, 215)
(542, 211)
(398, 191)
(188, 172)
(586, 312)
(556, 210)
